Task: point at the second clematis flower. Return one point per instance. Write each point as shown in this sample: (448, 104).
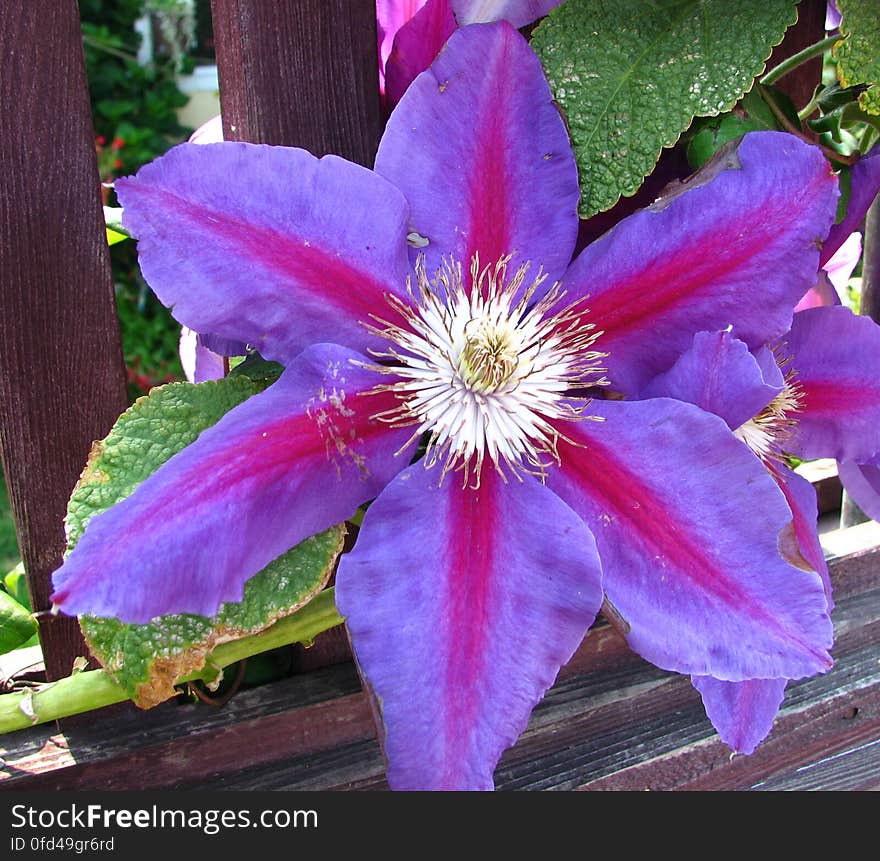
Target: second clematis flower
(450, 384)
(816, 393)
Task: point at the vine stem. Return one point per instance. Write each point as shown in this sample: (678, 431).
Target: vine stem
(93, 689)
(800, 58)
(790, 127)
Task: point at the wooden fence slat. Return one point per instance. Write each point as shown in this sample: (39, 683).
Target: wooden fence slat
(301, 73)
(62, 379)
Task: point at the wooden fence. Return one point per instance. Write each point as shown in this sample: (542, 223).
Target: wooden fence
(303, 72)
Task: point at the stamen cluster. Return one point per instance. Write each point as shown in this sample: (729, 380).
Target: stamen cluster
(487, 370)
(766, 433)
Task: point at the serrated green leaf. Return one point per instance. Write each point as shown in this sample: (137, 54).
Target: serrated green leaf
(148, 659)
(17, 626)
(858, 57)
(146, 435)
(630, 76)
(255, 367)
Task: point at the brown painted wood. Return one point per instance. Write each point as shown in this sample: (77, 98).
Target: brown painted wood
(62, 381)
(611, 721)
(300, 73)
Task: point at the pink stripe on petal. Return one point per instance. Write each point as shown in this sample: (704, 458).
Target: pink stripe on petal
(268, 245)
(482, 155)
(836, 357)
(736, 246)
(282, 466)
(462, 605)
(688, 522)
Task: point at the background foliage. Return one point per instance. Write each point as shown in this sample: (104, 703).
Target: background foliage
(134, 110)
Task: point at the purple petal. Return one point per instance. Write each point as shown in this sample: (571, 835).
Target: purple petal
(687, 522)
(462, 605)
(391, 15)
(862, 483)
(822, 293)
(832, 16)
(741, 712)
(843, 262)
(268, 245)
(836, 355)
(864, 186)
(737, 250)
(517, 12)
(223, 346)
(801, 498)
(834, 275)
(285, 464)
(719, 375)
(199, 363)
(416, 46)
(482, 155)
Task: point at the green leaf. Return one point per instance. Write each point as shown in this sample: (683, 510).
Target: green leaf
(630, 76)
(148, 659)
(858, 56)
(17, 626)
(15, 583)
(113, 237)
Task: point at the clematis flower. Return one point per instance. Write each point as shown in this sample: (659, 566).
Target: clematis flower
(817, 394)
(479, 567)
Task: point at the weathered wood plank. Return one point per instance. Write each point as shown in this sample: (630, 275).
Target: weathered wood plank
(62, 379)
(612, 721)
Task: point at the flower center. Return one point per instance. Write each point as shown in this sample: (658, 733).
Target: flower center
(486, 371)
(489, 356)
(766, 433)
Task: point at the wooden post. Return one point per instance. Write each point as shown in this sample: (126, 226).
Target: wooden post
(62, 379)
(301, 73)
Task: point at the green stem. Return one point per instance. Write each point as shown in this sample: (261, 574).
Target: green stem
(806, 110)
(98, 45)
(799, 59)
(790, 127)
(94, 689)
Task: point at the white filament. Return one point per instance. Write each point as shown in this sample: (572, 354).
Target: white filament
(483, 372)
